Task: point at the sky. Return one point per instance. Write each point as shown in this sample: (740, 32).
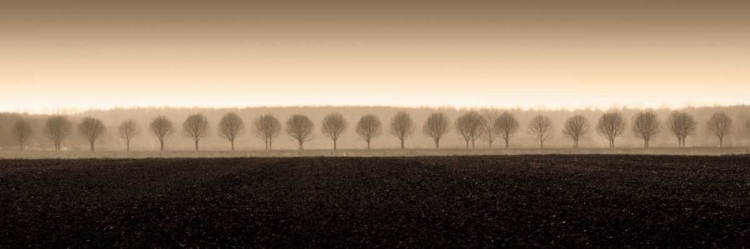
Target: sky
(531, 54)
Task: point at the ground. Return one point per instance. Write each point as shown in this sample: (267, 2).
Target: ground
(465, 201)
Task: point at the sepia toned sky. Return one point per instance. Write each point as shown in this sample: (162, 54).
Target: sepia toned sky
(532, 53)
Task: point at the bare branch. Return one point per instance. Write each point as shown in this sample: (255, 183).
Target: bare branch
(576, 127)
(267, 128)
(681, 125)
(369, 128)
(646, 126)
(231, 126)
(333, 126)
(162, 128)
(508, 126)
(611, 125)
(300, 128)
(541, 128)
(720, 125)
(402, 126)
(128, 130)
(196, 127)
(91, 129)
(22, 132)
(436, 126)
(470, 126)
(58, 128)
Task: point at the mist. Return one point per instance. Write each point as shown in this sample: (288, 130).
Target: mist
(112, 118)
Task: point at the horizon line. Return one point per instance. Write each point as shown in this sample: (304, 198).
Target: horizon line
(78, 110)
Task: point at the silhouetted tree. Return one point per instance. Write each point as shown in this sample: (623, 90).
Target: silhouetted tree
(333, 126)
(58, 128)
(436, 126)
(470, 126)
(646, 125)
(508, 126)
(490, 131)
(402, 126)
(682, 125)
(300, 128)
(369, 128)
(91, 129)
(267, 128)
(231, 126)
(576, 127)
(22, 132)
(720, 125)
(127, 131)
(162, 128)
(611, 125)
(196, 127)
(542, 129)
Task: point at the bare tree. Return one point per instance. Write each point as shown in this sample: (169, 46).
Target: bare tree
(369, 128)
(402, 126)
(612, 125)
(231, 126)
(470, 126)
(541, 128)
(58, 128)
(128, 130)
(333, 126)
(646, 125)
(162, 128)
(720, 125)
(576, 127)
(267, 128)
(300, 128)
(508, 126)
(681, 125)
(91, 129)
(490, 131)
(196, 127)
(22, 132)
(436, 126)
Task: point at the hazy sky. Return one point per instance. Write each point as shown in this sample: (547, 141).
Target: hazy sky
(82, 54)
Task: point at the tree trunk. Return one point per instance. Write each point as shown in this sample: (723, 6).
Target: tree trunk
(196, 145)
(402, 144)
(21, 143)
(162, 145)
(721, 142)
(541, 144)
(300, 145)
(645, 143)
(467, 144)
(92, 145)
(334, 144)
(472, 144)
(490, 141)
(437, 144)
(232, 145)
(270, 144)
(507, 143)
(368, 144)
(127, 146)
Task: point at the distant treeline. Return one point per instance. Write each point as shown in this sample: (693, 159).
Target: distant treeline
(330, 127)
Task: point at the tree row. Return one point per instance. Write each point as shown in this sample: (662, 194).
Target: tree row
(471, 126)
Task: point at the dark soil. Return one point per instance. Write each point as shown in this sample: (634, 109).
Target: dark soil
(482, 201)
